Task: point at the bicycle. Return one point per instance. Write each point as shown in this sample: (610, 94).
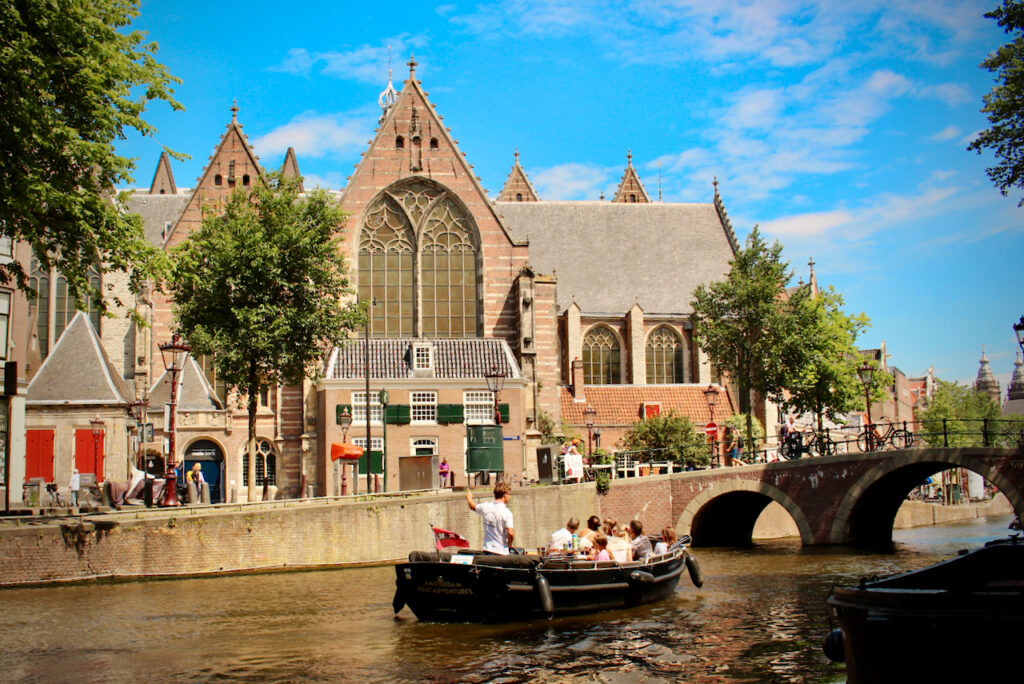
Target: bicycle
(872, 440)
(793, 445)
(821, 443)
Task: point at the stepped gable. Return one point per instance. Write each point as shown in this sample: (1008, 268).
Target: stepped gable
(78, 371)
(392, 358)
(290, 168)
(517, 186)
(653, 255)
(163, 179)
(194, 390)
(631, 190)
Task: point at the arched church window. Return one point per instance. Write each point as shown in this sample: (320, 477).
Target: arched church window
(601, 355)
(266, 465)
(417, 240)
(39, 281)
(664, 357)
(63, 305)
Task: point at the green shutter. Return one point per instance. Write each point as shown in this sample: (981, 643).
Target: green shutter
(449, 413)
(376, 459)
(338, 409)
(391, 414)
(503, 410)
(404, 414)
(397, 414)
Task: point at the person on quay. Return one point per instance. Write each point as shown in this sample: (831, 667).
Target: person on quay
(445, 473)
(497, 519)
(75, 486)
(640, 544)
(563, 537)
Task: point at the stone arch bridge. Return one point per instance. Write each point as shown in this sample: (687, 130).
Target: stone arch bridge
(841, 499)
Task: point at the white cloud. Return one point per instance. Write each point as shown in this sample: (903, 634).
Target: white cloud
(950, 93)
(365, 63)
(947, 133)
(318, 135)
(570, 182)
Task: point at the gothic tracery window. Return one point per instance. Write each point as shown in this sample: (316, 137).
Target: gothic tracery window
(54, 308)
(664, 357)
(418, 264)
(601, 355)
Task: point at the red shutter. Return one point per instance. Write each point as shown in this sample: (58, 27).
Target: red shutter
(85, 450)
(651, 410)
(39, 454)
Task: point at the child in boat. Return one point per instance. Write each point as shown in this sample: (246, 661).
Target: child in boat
(600, 550)
(668, 538)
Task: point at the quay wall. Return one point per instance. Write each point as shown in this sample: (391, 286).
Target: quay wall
(300, 533)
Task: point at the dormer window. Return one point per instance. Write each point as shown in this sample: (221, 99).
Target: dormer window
(422, 357)
(399, 142)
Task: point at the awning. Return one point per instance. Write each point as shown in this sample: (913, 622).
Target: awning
(344, 450)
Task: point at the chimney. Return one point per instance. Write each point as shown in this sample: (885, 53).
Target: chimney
(577, 381)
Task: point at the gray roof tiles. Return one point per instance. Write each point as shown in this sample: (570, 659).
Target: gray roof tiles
(194, 391)
(158, 212)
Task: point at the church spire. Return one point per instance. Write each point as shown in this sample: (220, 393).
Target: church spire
(517, 186)
(290, 167)
(986, 382)
(389, 96)
(1016, 390)
(163, 179)
(631, 190)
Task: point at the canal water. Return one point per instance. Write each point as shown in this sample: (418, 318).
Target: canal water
(759, 618)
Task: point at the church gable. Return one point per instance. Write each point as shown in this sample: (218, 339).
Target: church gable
(631, 190)
(290, 167)
(518, 187)
(163, 179)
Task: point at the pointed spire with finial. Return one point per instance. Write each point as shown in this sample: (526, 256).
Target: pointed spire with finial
(1016, 390)
(234, 111)
(412, 66)
(631, 190)
(986, 381)
(518, 187)
(389, 96)
(813, 279)
(659, 180)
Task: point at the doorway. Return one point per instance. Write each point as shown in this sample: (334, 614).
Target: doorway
(211, 460)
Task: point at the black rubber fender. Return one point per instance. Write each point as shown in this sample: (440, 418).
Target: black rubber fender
(547, 603)
(696, 576)
(641, 577)
(833, 646)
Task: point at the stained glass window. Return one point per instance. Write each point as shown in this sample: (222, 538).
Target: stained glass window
(664, 357)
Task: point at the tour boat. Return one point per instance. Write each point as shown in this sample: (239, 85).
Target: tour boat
(958, 620)
(471, 586)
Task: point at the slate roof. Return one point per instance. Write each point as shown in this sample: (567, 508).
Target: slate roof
(621, 404)
(392, 358)
(194, 390)
(78, 371)
(609, 256)
(157, 211)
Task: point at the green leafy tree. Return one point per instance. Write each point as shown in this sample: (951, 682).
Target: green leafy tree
(956, 415)
(260, 288)
(825, 384)
(746, 325)
(670, 436)
(74, 81)
(1004, 104)
(736, 424)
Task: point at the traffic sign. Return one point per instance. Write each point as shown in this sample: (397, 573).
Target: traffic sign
(711, 430)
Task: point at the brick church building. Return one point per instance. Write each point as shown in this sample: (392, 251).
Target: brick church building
(575, 304)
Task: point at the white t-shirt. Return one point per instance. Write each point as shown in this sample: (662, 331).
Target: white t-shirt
(559, 539)
(497, 521)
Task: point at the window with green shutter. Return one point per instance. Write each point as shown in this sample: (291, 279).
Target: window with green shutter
(398, 414)
(448, 414)
(503, 410)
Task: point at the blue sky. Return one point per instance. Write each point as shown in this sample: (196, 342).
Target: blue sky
(839, 127)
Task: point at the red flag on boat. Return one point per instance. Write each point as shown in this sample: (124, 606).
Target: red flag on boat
(444, 539)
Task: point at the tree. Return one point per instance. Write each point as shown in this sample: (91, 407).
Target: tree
(670, 436)
(72, 84)
(260, 288)
(1004, 104)
(745, 323)
(826, 383)
(958, 415)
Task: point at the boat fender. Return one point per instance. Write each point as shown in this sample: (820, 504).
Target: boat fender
(833, 646)
(547, 603)
(641, 577)
(398, 602)
(695, 574)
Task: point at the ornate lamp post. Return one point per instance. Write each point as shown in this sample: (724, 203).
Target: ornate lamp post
(711, 396)
(383, 398)
(346, 421)
(139, 409)
(864, 373)
(97, 435)
(1019, 329)
(174, 354)
(589, 414)
(495, 381)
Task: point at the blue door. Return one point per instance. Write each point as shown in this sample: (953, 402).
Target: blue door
(211, 460)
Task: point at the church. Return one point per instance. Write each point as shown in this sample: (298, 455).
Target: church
(549, 316)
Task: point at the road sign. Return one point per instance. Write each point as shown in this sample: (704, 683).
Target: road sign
(711, 430)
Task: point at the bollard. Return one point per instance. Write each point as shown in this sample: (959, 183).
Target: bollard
(205, 497)
(193, 495)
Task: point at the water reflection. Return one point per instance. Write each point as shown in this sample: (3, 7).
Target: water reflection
(759, 618)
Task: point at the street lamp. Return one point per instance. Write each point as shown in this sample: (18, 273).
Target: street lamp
(495, 381)
(589, 414)
(97, 435)
(173, 354)
(138, 410)
(383, 398)
(1019, 329)
(345, 418)
(864, 373)
(711, 396)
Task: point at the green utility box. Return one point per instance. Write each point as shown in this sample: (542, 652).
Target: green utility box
(485, 452)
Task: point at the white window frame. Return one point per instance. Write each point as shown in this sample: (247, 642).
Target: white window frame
(359, 409)
(423, 407)
(5, 323)
(422, 357)
(478, 407)
(423, 442)
(376, 443)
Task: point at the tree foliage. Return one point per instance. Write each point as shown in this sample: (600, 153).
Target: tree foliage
(956, 416)
(260, 288)
(73, 81)
(1004, 104)
(825, 383)
(746, 325)
(668, 436)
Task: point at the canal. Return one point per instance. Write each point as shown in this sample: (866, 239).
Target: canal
(759, 618)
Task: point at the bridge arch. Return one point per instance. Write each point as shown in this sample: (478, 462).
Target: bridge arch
(868, 508)
(725, 513)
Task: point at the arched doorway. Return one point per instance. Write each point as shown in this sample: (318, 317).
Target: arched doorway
(211, 460)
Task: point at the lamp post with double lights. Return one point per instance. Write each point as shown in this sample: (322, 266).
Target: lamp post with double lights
(711, 396)
(97, 437)
(589, 414)
(1019, 329)
(495, 381)
(174, 355)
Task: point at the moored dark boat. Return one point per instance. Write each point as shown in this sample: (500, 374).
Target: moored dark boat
(476, 587)
(961, 618)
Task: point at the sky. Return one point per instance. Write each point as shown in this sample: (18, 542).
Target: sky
(839, 128)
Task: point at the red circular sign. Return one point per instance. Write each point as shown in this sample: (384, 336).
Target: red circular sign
(711, 429)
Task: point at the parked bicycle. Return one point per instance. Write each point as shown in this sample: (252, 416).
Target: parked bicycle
(821, 443)
(894, 437)
(793, 445)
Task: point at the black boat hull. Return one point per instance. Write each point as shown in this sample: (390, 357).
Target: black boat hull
(450, 592)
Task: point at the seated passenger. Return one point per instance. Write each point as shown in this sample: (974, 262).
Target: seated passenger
(593, 527)
(641, 545)
(618, 545)
(601, 548)
(563, 537)
(668, 538)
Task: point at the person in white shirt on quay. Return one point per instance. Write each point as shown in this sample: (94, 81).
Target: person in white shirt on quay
(498, 524)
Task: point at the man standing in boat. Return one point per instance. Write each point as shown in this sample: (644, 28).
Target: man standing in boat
(498, 532)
